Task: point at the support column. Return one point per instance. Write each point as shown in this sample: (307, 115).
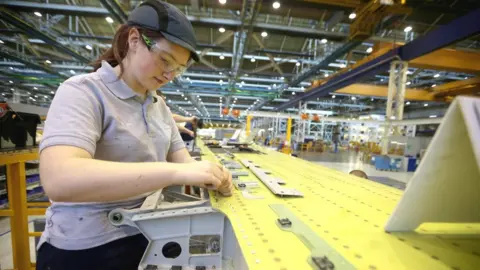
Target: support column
(395, 101)
(288, 138)
(249, 121)
(17, 197)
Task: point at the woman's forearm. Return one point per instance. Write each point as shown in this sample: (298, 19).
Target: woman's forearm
(79, 179)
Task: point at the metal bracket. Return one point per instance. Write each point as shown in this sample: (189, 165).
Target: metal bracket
(270, 182)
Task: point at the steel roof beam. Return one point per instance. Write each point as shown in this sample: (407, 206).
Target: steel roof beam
(14, 20)
(56, 8)
(456, 30)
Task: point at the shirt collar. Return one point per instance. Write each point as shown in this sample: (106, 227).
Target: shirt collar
(117, 86)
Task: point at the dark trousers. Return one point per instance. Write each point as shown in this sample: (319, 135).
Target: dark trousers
(124, 253)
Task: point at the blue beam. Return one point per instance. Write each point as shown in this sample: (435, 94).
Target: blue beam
(324, 63)
(456, 30)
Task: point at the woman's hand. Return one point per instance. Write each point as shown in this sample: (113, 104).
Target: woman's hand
(201, 174)
(226, 187)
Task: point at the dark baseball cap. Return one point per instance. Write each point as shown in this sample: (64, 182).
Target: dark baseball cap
(167, 19)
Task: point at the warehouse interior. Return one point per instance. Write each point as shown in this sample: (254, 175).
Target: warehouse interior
(302, 91)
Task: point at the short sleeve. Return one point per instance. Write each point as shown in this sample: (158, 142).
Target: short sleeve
(74, 118)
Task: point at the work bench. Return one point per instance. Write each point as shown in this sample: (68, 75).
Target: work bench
(19, 209)
(340, 217)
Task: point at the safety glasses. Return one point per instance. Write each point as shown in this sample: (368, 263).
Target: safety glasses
(168, 65)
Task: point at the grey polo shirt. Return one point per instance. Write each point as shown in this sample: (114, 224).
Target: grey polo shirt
(101, 114)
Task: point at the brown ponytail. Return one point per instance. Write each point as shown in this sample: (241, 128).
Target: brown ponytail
(115, 54)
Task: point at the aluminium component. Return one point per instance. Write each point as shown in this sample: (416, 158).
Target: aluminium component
(269, 181)
(323, 263)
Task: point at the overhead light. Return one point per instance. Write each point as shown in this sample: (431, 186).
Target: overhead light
(183, 95)
(433, 85)
(72, 71)
(371, 99)
(48, 61)
(407, 103)
(252, 59)
(333, 96)
(297, 64)
(221, 30)
(354, 98)
(242, 83)
(220, 73)
(293, 93)
(369, 50)
(432, 116)
(408, 83)
(109, 20)
(221, 81)
(276, 5)
(222, 57)
(264, 34)
(186, 98)
(352, 16)
(1, 41)
(466, 78)
(246, 74)
(178, 90)
(222, 2)
(38, 14)
(326, 75)
(88, 47)
(323, 40)
(12, 89)
(35, 88)
(10, 81)
(425, 105)
(51, 92)
(407, 29)
(436, 75)
(11, 68)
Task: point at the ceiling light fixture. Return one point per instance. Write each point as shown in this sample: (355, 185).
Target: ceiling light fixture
(407, 103)
(222, 57)
(222, 2)
(276, 5)
(425, 105)
(297, 64)
(264, 34)
(407, 29)
(323, 40)
(88, 47)
(10, 81)
(432, 116)
(72, 71)
(38, 14)
(221, 30)
(436, 75)
(35, 88)
(434, 85)
(1, 41)
(252, 59)
(408, 83)
(354, 98)
(109, 20)
(352, 16)
(48, 61)
(333, 96)
(369, 50)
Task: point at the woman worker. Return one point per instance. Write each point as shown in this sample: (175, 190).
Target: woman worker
(109, 142)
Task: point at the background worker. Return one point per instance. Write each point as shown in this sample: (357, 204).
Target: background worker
(108, 143)
(180, 119)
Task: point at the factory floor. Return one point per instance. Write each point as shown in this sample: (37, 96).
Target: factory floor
(6, 261)
(344, 161)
